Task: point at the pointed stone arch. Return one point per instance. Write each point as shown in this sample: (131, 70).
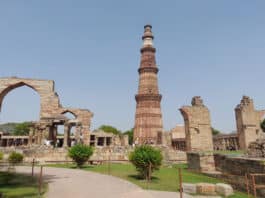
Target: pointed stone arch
(49, 100)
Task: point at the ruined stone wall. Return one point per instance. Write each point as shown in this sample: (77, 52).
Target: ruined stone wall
(49, 100)
(233, 170)
(226, 142)
(84, 116)
(248, 122)
(197, 126)
(50, 107)
(201, 162)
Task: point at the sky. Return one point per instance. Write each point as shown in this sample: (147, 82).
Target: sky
(214, 49)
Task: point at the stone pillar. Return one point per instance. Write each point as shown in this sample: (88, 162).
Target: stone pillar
(66, 135)
(105, 141)
(31, 132)
(96, 140)
(55, 130)
(248, 122)
(77, 134)
(197, 126)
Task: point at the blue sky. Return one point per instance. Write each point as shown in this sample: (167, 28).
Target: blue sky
(214, 49)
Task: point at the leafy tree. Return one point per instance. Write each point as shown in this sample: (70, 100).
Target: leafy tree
(146, 159)
(80, 154)
(262, 125)
(15, 158)
(1, 156)
(22, 128)
(215, 131)
(110, 129)
(130, 134)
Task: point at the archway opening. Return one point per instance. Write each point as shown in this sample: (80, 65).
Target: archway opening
(19, 104)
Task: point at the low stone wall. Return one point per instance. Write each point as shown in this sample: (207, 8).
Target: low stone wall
(114, 153)
(233, 170)
(201, 162)
(44, 154)
(239, 165)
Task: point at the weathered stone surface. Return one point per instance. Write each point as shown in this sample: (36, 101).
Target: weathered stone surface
(235, 168)
(201, 162)
(197, 126)
(205, 189)
(257, 149)
(248, 122)
(226, 141)
(148, 126)
(189, 188)
(224, 189)
(51, 111)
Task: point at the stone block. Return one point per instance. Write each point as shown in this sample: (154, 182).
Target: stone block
(205, 189)
(224, 189)
(189, 188)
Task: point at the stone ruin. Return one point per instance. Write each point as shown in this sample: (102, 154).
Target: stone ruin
(51, 112)
(52, 116)
(248, 121)
(197, 126)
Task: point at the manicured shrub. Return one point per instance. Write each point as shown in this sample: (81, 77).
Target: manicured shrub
(80, 154)
(15, 158)
(1, 155)
(146, 159)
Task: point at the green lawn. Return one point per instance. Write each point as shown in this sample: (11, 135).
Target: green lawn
(14, 185)
(166, 179)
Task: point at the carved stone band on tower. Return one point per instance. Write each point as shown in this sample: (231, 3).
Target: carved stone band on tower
(148, 118)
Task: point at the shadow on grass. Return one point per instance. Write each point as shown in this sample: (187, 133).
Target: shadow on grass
(139, 178)
(15, 185)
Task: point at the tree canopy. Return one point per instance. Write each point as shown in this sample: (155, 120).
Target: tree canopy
(22, 128)
(215, 131)
(110, 129)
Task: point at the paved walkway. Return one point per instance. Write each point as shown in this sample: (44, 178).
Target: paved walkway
(68, 183)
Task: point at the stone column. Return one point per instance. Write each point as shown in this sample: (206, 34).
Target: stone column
(66, 135)
(77, 134)
(105, 141)
(54, 135)
(30, 136)
(96, 140)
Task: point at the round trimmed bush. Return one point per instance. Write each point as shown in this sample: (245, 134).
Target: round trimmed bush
(15, 158)
(146, 159)
(80, 154)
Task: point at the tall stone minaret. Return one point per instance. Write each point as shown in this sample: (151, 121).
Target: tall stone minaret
(148, 118)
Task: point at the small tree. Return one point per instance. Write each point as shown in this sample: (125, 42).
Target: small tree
(22, 128)
(1, 156)
(15, 158)
(146, 159)
(215, 131)
(80, 154)
(262, 125)
(109, 129)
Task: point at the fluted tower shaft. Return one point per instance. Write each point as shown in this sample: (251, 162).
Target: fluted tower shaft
(148, 118)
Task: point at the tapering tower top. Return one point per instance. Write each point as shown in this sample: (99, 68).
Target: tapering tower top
(148, 36)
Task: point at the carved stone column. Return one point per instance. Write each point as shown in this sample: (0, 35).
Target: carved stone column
(31, 132)
(78, 133)
(66, 135)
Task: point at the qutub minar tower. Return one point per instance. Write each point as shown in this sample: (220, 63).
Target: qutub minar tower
(148, 118)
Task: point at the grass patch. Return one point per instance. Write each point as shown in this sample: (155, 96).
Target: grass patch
(14, 185)
(166, 179)
(231, 153)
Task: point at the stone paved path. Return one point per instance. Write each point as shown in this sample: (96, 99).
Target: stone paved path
(68, 183)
